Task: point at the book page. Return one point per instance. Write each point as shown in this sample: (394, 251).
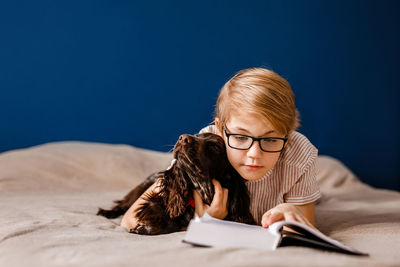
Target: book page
(208, 231)
(315, 234)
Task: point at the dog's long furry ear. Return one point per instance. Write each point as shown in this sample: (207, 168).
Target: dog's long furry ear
(176, 205)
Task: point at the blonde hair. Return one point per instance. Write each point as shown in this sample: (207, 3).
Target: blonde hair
(262, 93)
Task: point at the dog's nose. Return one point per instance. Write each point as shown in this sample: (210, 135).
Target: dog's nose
(185, 139)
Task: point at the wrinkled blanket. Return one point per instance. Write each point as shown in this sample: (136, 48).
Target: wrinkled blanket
(49, 196)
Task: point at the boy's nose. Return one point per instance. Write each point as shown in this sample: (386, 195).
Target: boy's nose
(255, 150)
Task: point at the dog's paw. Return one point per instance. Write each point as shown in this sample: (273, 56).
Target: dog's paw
(141, 230)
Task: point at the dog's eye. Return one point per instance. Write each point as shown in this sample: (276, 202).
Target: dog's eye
(214, 146)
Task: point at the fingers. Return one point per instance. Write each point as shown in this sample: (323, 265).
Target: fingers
(270, 217)
(290, 216)
(219, 205)
(199, 206)
(225, 200)
(273, 216)
(220, 195)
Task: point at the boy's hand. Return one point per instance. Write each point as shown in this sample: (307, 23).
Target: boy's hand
(285, 212)
(219, 205)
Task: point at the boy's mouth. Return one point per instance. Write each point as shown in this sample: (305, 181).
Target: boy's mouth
(252, 167)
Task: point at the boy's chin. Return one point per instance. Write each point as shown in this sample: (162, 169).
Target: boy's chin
(251, 176)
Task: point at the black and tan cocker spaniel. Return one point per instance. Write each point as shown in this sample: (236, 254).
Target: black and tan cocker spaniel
(199, 159)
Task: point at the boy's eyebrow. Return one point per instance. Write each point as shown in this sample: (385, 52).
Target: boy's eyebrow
(244, 130)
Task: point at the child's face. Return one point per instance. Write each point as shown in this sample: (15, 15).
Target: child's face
(252, 164)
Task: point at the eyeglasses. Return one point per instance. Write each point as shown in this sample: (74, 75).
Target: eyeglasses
(244, 142)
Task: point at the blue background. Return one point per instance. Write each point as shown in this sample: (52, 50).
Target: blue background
(144, 72)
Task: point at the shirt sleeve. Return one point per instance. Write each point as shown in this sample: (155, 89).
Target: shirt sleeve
(208, 129)
(306, 189)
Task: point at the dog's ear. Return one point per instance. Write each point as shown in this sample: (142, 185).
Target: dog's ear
(176, 204)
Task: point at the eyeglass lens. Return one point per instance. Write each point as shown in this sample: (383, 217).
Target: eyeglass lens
(245, 142)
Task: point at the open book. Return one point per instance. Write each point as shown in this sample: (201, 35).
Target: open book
(210, 232)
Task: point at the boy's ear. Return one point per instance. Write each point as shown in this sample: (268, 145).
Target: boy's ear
(217, 125)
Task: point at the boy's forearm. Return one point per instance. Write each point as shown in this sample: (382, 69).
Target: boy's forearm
(308, 212)
(129, 220)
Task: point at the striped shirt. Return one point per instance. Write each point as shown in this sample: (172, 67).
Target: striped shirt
(292, 179)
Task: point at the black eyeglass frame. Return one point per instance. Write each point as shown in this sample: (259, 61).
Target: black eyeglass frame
(256, 139)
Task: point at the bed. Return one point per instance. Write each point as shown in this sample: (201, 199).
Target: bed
(49, 196)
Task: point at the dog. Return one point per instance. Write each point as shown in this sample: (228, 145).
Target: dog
(198, 160)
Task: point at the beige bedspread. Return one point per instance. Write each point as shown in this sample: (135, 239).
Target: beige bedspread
(49, 196)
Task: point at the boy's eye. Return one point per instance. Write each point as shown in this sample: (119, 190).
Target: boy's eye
(269, 140)
(241, 138)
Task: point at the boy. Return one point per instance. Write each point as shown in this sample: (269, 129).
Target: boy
(256, 116)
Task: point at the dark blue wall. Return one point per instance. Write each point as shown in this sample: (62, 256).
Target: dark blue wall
(143, 72)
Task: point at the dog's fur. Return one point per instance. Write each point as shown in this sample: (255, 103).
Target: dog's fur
(199, 159)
